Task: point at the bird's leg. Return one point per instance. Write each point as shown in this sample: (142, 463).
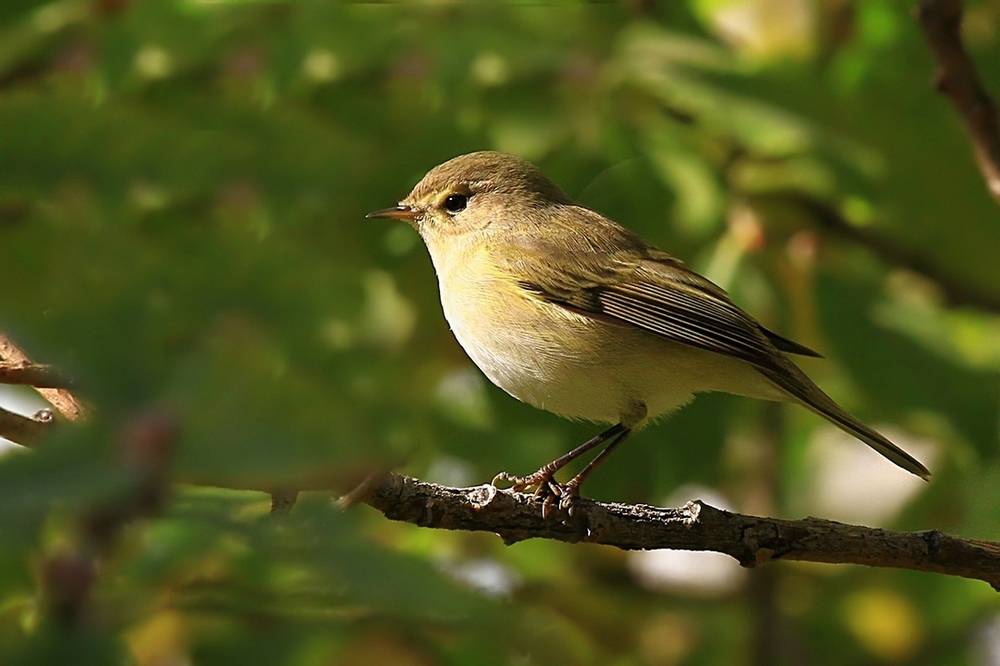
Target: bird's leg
(543, 480)
(572, 487)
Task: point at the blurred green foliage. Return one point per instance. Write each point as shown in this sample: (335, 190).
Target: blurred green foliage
(183, 186)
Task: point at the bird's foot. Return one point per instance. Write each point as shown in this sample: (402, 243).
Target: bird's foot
(543, 486)
(523, 484)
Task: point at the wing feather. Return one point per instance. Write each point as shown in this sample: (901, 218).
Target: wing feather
(613, 273)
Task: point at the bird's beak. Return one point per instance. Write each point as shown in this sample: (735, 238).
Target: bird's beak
(399, 212)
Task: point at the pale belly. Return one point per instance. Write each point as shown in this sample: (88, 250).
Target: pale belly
(582, 368)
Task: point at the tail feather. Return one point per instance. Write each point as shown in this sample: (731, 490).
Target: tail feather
(795, 382)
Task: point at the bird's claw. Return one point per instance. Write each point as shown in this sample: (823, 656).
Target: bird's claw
(518, 484)
(554, 495)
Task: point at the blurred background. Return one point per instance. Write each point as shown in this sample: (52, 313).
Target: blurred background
(183, 186)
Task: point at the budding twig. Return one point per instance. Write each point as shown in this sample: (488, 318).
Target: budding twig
(956, 77)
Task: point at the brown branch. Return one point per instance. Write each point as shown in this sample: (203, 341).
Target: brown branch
(956, 77)
(22, 429)
(31, 374)
(64, 401)
(751, 540)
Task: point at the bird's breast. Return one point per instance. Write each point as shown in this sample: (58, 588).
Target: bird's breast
(518, 341)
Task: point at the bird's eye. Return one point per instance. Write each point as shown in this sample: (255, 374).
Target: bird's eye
(456, 203)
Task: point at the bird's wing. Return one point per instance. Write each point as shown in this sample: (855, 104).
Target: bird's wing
(683, 293)
(789, 346)
(658, 299)
(612, 273)
(640, 286)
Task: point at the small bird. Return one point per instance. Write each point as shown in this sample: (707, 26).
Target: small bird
(570, 312)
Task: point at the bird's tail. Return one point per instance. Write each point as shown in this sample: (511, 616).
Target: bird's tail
(795, 382)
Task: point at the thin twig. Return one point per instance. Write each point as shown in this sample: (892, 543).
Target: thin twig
(25, 430)
(32, 374)
(751, 540)
(64, 401)
(956, 77)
